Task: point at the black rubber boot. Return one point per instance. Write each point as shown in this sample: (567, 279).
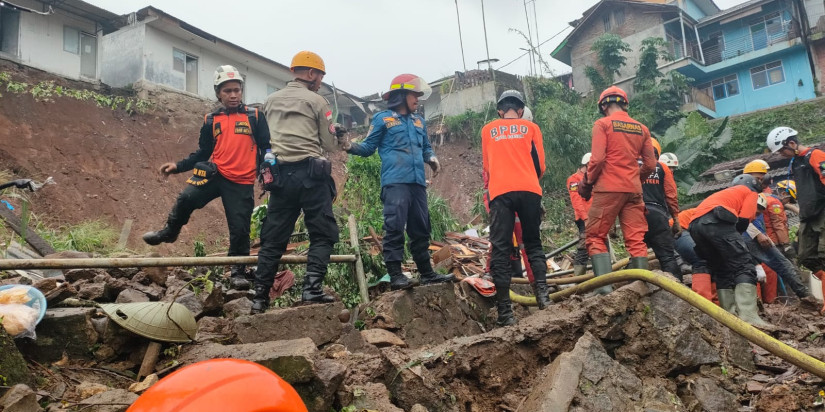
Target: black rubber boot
(238, 278)
(260, 303)
(165, 235)
(640, 263)
(428, 275)
(505, 308)
(540, 289)
(313, 289)
(602, 266)
(397, 279)
(517, 269)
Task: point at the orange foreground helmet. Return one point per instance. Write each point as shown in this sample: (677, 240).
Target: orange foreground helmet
(411, 83)
(221, 385)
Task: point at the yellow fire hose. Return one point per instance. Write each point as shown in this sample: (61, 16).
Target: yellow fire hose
(744, 329)
(573, 279)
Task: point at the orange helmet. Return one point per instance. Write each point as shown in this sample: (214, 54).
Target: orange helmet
(308, 59)
(220, 385)
(409, 82)
(612, 94)
(656, 146)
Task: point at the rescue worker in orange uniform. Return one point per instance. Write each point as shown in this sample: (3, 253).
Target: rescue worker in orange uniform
(764, 249)
(580, 209)
(513, 159)
(808, 168)
(233, 140)
(613, 178)
(717, 228)
(662, 203)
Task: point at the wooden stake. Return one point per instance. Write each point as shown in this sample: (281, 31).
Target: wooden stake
(360, 277)
(149, 360)
(124, 234)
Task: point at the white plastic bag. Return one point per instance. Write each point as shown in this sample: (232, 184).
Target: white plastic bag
(19, 320)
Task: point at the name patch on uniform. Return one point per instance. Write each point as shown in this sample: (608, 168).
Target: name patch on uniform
(391, 122)
(626, 127)
(242, 127)
(417, 123)
(216, 130)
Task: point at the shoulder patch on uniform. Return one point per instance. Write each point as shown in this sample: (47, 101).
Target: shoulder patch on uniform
(216, 130)
(822, 168)
(574, 187)
(776, 209)
(627, 127)
(417, 123)
(328, 114)
(391, 122)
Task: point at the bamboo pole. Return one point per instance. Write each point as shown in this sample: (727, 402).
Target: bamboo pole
(360, 277)
(8, 264)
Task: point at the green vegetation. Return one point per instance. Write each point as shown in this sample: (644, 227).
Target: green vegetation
(92, 236)
(46, 91)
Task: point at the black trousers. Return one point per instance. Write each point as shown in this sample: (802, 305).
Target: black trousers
(660, 238)
(238, 202)
(405, 207)
(299, 192)
(503, 211)
(722, 248)
(581, 256)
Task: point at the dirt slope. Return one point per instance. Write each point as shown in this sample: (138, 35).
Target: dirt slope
(105, 162)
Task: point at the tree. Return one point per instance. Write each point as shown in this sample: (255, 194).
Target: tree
(657, 98)
(609, 48)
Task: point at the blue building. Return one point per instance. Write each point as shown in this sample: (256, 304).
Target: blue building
(749, 57)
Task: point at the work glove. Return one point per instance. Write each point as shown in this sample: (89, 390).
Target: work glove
(338, 130)
(761, 276)
(24, 184)
(764, 241)
(677, 227)
(435, 165)
(580, 225)
(585, 190)
(788, 251)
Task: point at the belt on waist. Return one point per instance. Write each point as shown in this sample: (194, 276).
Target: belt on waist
(295, 165)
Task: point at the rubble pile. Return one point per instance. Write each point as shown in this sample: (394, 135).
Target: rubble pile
(432, 348)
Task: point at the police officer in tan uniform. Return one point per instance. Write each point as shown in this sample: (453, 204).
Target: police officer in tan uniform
(301, 129)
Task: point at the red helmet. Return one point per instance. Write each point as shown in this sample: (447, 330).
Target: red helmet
(409, 82)
(221, 385)
(612, 94)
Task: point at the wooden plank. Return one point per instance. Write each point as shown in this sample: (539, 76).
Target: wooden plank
(442, 254)
(149, 360)
(38, 243)
(360, 277)
(124, 234)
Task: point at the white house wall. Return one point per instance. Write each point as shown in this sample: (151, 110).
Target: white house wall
(158, 47)
(123, 56)
(41, 40)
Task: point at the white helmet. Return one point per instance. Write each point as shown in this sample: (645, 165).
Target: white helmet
(528, 114)
(669, 159)
(778, 136)
(586, 159)
(762, 201)
(226, 73)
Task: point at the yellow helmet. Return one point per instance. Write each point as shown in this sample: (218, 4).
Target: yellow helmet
(788, 186)
(757, 166)
(308, 59)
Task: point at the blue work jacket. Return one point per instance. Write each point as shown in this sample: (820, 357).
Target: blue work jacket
(402, 144)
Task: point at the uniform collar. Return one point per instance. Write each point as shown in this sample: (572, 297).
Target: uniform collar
(223, 110)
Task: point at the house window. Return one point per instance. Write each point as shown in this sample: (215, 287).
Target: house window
(606, 22)
(766, 31)
(188, 65)
(721, 88)
(271, 89)
(71, 40)
(767, 75)
(9, 30)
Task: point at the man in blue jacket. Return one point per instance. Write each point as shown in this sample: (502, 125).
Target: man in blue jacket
(400, 136)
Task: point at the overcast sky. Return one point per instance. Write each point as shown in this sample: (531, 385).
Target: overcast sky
(364, 43)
